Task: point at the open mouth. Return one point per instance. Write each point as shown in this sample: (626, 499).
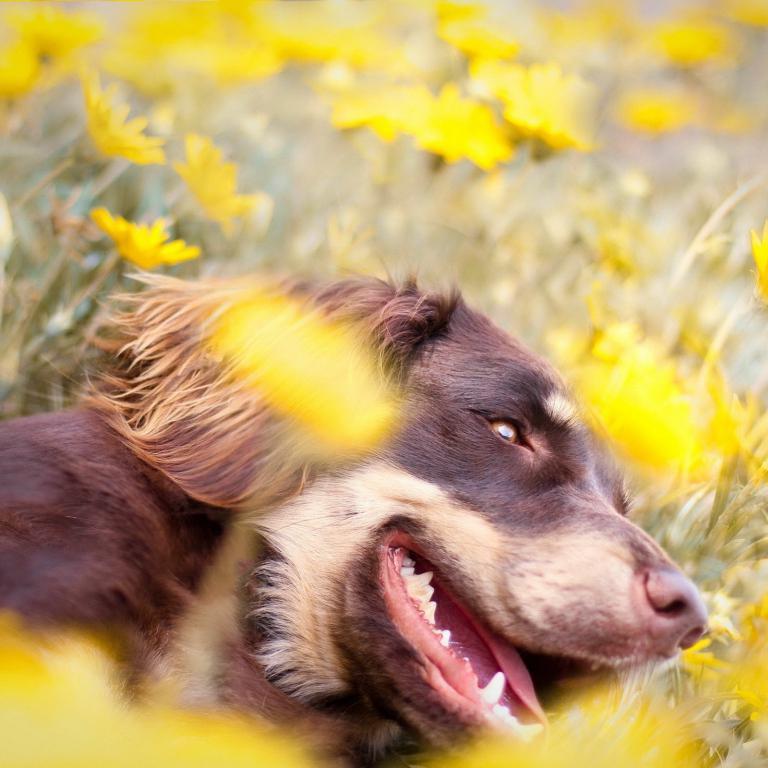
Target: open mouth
(479, 677)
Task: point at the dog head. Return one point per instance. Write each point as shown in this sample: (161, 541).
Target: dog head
(443, 582)
(479, 556)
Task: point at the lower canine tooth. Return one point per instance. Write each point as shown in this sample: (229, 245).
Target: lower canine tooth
(512, 725)
(422, 594)
(493, 690)
(421, 579)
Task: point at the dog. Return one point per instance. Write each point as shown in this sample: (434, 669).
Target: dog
(440, 584)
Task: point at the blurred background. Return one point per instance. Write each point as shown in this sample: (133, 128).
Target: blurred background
(591, 174)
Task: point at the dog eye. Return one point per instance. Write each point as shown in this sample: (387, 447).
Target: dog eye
(506, 431)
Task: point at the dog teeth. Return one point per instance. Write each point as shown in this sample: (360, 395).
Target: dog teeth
(504, 718)
(493, 690)
(445, 638)
(419, 589)
(421, 579)
(408, 562)
(502, 713)
(425, 594)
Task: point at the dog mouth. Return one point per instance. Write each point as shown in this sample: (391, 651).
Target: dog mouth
(477, 676)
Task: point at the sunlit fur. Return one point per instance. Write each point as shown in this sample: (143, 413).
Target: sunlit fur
(182, 409)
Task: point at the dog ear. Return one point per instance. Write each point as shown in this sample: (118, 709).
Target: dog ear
(174, 405)
(178, 408)
(395, 320)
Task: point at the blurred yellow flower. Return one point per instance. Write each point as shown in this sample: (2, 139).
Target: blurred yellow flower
(63, 687)
(165, 47)
(760, 255)
(475, 33)
(657, 110)
(731, 118)
(449, 124)
(755, 621)
(540, 101)
(689, 43)
(317, 373)
(701, 662)
(754, 12)
(595, 23)
(455, 127)
(144, 245)
(110, 130)
(596, 729)
(749, 681)
(19, 69)
(230, 64)
(213, 182)
(388, 111)
(639, 400)
(353, 34)
(51, 31)
(732, 420)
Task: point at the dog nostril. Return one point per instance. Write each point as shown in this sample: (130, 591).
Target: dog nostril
(676, 606)
(680, 616)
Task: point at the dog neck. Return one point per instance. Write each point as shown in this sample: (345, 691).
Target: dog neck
(216, 660)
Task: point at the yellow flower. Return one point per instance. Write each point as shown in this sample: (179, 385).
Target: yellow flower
(170, 46)
(732, 420)
(760, 255)
(214, 183)
(53, 32)
(354, 34)
(749, 678)
(597, 729)
(316, 372)
(639, 400)
(754, 12)
(449, 125)
(388, 111)
(595, 22)
(145, 246)
(64, 686)
(655, 110)
(755, 621)
(540, 101)
(702, 663)
(19, 69)
(455, 127)
(477, 34)
(689, 43)
(110, 130)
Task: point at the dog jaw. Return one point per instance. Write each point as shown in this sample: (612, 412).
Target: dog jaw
(330, 636)
(318, 537)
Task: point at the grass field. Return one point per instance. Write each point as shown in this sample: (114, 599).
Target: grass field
(593, 177)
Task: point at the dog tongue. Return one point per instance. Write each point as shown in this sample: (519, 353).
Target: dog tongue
(487, 654)
(518, 677)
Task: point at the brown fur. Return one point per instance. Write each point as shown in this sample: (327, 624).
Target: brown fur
(163, 509)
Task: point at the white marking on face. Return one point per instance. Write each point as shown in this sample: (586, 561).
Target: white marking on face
(320, 533)
(561, 409)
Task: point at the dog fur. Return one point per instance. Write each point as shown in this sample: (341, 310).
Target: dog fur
(161, 509)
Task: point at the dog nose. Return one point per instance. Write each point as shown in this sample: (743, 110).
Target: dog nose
(679, 617)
